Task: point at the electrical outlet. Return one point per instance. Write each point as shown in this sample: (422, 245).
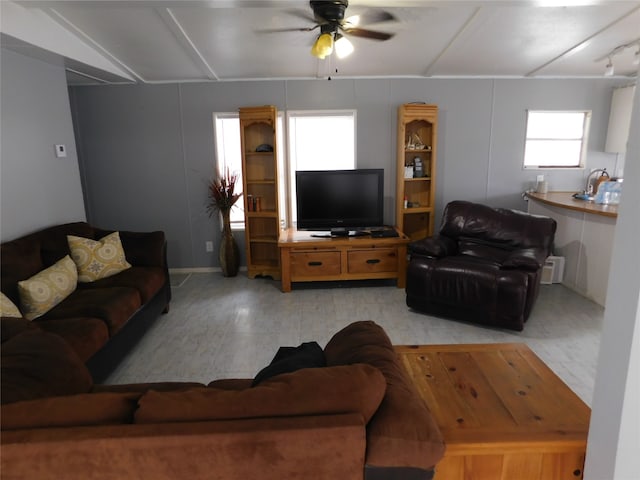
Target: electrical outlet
(208, 246)
(61, 151)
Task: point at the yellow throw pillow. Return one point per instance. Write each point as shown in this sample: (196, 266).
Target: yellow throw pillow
(8, 308)
(46, 289)
(97, 259)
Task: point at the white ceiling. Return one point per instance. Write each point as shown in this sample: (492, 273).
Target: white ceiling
(220, 40)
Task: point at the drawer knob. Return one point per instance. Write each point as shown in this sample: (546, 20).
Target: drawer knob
(315, 264)
(373, 261)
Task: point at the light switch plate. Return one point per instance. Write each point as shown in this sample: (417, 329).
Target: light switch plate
(61, 151)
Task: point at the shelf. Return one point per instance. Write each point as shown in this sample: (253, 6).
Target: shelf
(262, 213)
(261, 182)
(417, 125)
(260, 172)
(410, 210)
(270, 239)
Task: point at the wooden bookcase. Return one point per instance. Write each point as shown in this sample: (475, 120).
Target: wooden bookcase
(260, 187)
(417, 139)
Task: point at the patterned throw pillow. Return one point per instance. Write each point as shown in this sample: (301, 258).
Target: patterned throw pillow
(46, 289)
(97, 259)
(8, 308)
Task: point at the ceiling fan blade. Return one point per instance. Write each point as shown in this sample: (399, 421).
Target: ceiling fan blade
(371, 34)
(371, 16)
(281, 30)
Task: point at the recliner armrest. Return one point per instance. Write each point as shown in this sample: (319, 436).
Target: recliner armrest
(531, 259)
(436, 246)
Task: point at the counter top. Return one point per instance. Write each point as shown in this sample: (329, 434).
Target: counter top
(565, 200)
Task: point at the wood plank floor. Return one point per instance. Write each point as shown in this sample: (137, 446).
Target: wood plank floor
(231, 327)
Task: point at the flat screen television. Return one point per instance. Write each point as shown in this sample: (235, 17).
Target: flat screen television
(340, 200)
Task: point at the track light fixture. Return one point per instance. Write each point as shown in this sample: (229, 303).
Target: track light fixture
(609, 71)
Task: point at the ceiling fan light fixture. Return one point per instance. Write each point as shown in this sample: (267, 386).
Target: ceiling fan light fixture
(343, 46)
(323, 46)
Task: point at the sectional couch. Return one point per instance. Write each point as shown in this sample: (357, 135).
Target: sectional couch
(101, 320)
(357, 417)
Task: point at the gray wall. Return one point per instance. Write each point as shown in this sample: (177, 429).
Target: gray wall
(36, 188)
(146, 151)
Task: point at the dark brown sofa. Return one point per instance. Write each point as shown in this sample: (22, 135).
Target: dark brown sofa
(483, 267)
(103, 319)
(358, 417)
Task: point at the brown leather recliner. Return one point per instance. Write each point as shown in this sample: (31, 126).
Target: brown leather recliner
(483, 267)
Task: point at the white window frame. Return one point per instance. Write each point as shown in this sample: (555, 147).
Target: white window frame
(290, 177)
(584, 139)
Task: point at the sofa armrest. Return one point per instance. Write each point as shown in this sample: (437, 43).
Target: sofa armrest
(142, 249)
(437, 246)
(531, 259)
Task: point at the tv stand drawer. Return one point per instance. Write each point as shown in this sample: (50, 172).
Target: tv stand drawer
(310, 264)
(372, 260)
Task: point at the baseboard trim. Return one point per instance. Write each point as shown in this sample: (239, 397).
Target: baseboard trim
(200, 270)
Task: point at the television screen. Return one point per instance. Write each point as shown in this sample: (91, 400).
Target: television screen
(340, 199)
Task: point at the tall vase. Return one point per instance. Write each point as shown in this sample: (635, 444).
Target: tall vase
(229, 254)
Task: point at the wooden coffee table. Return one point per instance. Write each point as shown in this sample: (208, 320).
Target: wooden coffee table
(503, 413)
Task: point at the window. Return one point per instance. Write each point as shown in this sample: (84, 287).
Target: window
(227, 135)
(556, 139)
(319, 141)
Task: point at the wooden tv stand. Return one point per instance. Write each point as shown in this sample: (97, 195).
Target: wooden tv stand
(304, 258)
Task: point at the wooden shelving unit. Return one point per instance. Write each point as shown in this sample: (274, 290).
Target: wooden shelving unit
(260, 187)
(417, 139)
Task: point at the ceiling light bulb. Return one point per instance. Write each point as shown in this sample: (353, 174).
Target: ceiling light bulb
(344, 47)
(608, 72)
(636, 57)
(323, 46)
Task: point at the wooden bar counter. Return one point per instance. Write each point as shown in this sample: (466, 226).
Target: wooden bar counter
(584, 237)
(503, 413)
(566, 200)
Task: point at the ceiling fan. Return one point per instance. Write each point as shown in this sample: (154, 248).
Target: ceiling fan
(329, 17)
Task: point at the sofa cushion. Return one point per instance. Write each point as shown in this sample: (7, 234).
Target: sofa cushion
(290, 359)
(8, 308)
(37, 364)
(11, 326)
(86, 335)
(97, 259)
(402, 432)
(70, 411)
(114, 306)
(314, 391)
(48, 288)
(147, 280)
